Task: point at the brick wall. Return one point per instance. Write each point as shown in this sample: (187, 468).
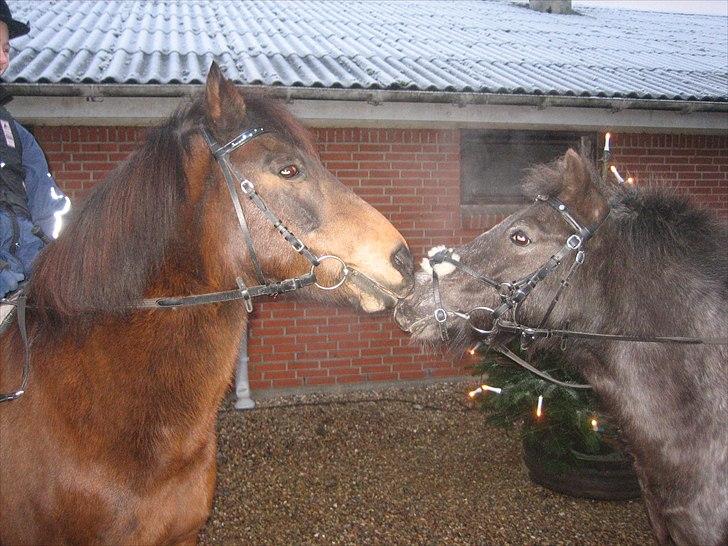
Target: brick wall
(693, 164)
(412, 176)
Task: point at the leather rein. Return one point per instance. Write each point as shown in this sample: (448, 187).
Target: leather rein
(243, 292)
(512, 295)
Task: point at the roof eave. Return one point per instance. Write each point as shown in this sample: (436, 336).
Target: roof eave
(373, 96)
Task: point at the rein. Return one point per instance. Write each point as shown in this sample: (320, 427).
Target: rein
(513, 294)
(243, 292)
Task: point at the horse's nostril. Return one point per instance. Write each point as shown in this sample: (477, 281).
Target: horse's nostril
(402, 261)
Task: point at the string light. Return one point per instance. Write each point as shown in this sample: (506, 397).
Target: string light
(476, 392)
(606, 155)
(474, 349)
(630, 180)
(539, 406)
(595, 425)
(616, 174)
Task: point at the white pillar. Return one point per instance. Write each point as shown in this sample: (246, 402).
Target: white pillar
(242, 387)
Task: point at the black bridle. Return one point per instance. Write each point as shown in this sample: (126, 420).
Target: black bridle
(266, 287)
(512, 294)
(243, 292)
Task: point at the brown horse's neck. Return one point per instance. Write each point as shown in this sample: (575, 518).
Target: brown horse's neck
(153, 380)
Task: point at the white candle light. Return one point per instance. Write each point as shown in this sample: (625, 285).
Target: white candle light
(539, 406)
(616, 174)
(474, 393)
(606, 141)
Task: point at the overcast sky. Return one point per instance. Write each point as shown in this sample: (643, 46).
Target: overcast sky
(707, 7)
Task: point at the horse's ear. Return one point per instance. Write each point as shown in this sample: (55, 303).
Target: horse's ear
(576, 174)
(580, 189)
(222, 98)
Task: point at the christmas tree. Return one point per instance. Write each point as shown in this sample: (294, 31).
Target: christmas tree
(561, 422)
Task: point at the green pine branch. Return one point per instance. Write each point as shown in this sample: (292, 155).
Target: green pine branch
(566, 421)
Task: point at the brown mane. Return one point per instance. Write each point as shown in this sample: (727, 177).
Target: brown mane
(651, 221)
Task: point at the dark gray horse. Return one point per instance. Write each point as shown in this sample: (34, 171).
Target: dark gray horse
(656, 266)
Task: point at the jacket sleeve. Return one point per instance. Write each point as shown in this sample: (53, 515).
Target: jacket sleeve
(46, 201)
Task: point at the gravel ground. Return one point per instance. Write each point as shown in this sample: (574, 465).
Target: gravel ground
(412, 465)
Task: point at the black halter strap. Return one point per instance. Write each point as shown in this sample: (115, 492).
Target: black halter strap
(574, 243)
(220, 153)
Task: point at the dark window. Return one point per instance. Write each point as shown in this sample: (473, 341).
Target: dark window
(494, 162)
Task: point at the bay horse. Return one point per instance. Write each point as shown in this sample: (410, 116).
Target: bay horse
(653, 266)
(114, 441)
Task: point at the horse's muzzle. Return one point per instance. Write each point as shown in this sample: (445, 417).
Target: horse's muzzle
(403, 315)
(401, 260)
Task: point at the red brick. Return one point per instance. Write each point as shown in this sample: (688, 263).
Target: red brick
(328, 380)
(287, 383)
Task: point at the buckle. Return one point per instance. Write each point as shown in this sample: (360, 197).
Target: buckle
(440, 315)
(247, 186)
(288, 285)
(573, 242)
(247, 299)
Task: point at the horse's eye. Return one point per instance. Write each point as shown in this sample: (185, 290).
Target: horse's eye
(289, 171)
(520, 238)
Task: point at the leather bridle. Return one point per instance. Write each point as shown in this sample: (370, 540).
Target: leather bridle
(243, 292)
(512, 294)
(266, 287)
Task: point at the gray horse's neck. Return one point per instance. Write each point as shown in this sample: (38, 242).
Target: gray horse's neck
(668, 399)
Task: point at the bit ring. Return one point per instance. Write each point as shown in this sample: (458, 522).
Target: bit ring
(344, 272)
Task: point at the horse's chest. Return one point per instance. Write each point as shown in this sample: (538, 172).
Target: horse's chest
(164, 507)
(174, 510)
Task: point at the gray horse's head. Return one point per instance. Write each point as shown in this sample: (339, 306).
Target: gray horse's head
(517, 246)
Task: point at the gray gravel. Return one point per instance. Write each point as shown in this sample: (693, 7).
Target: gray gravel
(412, 465)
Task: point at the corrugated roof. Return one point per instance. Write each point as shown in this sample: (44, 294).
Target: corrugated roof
(470, 46)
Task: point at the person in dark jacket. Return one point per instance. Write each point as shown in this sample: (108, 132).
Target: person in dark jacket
(31, 204)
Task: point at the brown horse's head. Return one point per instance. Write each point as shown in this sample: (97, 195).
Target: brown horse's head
(326, 215)
(517, 246)
(164, 222)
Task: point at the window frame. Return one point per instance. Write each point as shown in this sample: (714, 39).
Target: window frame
(474, 202)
